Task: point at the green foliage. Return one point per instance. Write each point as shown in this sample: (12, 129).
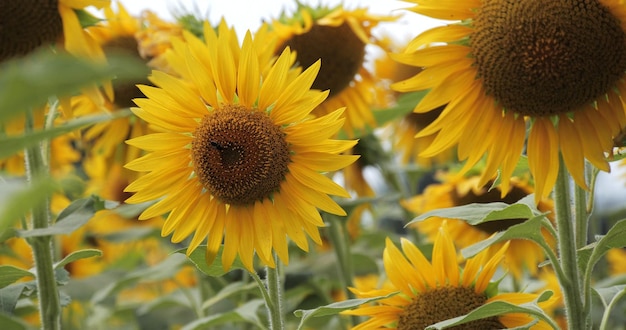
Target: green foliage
(496, 308)
(28, 82)
(17, 198)
(334, 308)
(15, 144)
(10, 274)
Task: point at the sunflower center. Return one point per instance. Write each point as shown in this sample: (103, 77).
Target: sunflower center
(542, 58)
(239, 155)
(126, 91)
(445, 303)
(340, 49)
(25, 25)
(489, 196)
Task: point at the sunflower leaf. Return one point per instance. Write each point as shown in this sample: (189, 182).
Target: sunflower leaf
(477, 213)
(28, 82)
(71, 218)
(614, 238)
(244, 313)
(77, 255)
(215, 269)
(18, 197)
(10, 274)
(334, 308)
(500, 307)
(529, 229)
(13, 144)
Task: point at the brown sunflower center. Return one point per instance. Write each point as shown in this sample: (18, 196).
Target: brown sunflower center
(126, 91)
(27, 24)
(239, 155)
(445, 303)
(541, 58)
(341, 51)
(489, 196)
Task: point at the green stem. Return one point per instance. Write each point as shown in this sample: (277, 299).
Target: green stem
(272, 292)
(48, 294)
(571, 281)
(338, 236)
(582, 216)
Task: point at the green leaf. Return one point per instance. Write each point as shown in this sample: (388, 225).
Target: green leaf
(482, 212)
(405, 105)
(28, 82)
(18, 197)
(13, 144)
(198, 258)
(13, 323)
(529, 229)
(607, 295)
(244, 313)
(614, 238)
(77, 255)
(86, 19)
(10, 274)
(163, 270)
(70, 219)
(496, 308)
(228, 291)
(334, 308)
(11, 294)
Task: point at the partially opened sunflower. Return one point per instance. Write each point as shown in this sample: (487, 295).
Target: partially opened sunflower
(554, 69)
(430, 292)
(237, 158)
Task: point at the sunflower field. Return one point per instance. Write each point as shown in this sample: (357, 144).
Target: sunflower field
(330, 169)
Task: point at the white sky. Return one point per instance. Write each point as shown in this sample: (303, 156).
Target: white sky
(248, 14)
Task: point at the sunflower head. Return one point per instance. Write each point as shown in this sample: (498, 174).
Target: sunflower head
(238, 159)
(544, 76)
(521, 256)
(27, 25)
(430, 292)
(543, 59)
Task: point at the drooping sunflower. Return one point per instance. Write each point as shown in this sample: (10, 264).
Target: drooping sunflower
(339, 38)
(553, 67)
(435, 291)
(522, 255)
(237, 158)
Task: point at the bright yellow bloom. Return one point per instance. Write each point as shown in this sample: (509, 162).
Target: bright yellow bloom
(435, 291)
(339, 38)
(522, 255)
(237, 157)
(553, 68)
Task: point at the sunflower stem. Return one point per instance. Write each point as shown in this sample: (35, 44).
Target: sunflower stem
(47, 291)
(275, 290)
(339, 239)
(582, 215)
(570, 280)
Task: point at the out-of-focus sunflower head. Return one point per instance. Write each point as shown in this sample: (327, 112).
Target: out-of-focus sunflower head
(455, 190)
(339, 38)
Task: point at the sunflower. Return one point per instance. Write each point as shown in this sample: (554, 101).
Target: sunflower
(456, 191)
(435, 291)
(553, 67)
(30, 24)
(339, 38)
(237, 157)
(155, 38)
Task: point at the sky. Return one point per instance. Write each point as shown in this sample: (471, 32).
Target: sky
(249, 14)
